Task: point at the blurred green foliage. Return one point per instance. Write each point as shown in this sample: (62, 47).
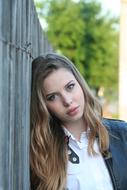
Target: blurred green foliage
(89, 38)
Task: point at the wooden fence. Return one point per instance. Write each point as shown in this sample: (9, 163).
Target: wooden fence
(21, 39)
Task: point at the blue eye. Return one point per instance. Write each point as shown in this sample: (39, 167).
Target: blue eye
(51, 98)
(71, 86)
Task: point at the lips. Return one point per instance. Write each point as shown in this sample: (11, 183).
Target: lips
(73, 111)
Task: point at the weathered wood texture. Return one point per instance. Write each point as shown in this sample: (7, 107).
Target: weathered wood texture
(21, 38)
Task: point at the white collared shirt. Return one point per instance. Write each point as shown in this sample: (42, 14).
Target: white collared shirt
(91, 173)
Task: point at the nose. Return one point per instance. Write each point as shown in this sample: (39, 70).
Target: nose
(67, 100)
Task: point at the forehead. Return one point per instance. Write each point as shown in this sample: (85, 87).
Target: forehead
(57, 79)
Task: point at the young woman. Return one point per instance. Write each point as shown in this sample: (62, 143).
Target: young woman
(72, 147)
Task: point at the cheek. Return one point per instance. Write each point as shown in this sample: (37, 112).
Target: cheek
(54, 108)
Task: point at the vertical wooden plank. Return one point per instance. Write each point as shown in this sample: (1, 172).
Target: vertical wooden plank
(4, 96)
(12, 143)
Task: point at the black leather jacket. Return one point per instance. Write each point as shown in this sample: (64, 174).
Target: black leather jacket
(117, 160)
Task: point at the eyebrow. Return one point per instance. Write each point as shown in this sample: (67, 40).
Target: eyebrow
(69, 83)
(52, 93)
(48, 95)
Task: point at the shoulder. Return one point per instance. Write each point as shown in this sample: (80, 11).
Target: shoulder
(114, 123)
(116, 127)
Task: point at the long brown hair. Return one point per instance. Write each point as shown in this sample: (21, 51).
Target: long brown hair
(48, 148)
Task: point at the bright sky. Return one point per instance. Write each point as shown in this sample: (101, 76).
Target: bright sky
(112, 5)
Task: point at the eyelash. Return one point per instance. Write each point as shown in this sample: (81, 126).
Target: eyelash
(70, 86)
(51, 98)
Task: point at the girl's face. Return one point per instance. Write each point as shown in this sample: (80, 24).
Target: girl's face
(64, 96)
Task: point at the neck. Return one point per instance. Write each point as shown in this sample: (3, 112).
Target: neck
(76, 128)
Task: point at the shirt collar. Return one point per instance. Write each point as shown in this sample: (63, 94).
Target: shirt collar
(71, 136)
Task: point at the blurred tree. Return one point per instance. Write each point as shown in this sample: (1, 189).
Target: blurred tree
(100, 47)
(88, 38)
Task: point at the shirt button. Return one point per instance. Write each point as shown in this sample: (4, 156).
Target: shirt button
(74, 159)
